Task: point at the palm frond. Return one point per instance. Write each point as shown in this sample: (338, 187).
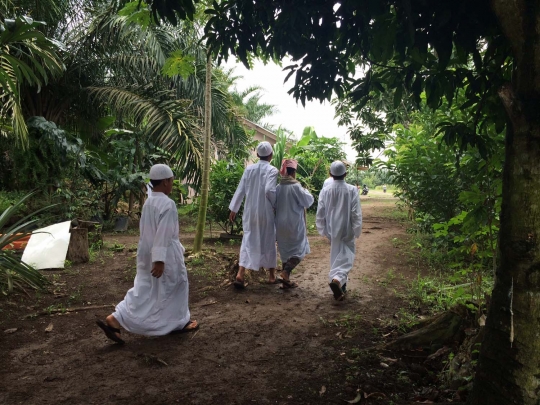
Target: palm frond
(165, 120)
(13, 272)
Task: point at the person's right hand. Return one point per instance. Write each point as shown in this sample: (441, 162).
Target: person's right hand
(232, 216)
(157, 269)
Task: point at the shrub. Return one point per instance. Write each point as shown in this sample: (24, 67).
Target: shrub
(224, 179)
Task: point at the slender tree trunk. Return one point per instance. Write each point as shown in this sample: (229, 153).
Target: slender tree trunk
(131, 192)
(509, 364)
(201, 220)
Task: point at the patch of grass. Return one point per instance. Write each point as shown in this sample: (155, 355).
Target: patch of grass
(131, 269)
(388, 278)
(115, 247)
(76, 296)
(56, 307)
(348, 321)
(311, 223)
(406, 320)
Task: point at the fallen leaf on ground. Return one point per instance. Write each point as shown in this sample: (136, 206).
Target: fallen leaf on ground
(373, 394)
(322, 391)
(12, 330)
(161, 361)
(49, 328)
(384, 365)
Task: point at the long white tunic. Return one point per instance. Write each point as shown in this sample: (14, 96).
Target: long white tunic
(258, 185)
(327, 182)
(157, 306)
(291, 234)
(339, 218)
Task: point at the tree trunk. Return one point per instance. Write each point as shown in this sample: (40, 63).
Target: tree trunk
(509, 364)
(201, 220)
(78, 246)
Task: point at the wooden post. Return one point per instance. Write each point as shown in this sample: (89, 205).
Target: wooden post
(78, 246)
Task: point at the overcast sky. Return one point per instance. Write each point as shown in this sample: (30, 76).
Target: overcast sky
(291, 115)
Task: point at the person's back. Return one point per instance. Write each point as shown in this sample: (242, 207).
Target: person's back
(258, 186)
(256, 178)
(339, 218)
(328, 181)
(338, 199)
(291, 201)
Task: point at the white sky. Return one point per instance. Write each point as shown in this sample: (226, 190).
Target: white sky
(290, 115)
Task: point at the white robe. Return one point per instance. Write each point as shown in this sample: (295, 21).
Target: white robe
(157, 306)
(291, 234)
(258, 185)
(327, 182)
(339, 218)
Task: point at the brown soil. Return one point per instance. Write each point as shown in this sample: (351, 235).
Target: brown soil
(258, 346)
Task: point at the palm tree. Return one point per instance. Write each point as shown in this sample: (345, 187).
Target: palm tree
(114, 68)
(27, 57)
(249, 102)
(201, 220)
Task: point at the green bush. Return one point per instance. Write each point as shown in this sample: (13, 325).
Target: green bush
(224, 179)
(9, 198)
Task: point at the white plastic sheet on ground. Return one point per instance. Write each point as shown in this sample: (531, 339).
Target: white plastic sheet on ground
(47, 247)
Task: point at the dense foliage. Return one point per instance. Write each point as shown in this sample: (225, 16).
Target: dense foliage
(224, 179)
(123, 94)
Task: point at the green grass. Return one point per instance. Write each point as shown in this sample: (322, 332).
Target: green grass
(311, 223)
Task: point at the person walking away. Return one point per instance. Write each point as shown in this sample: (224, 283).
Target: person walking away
(258, 186)
(291, 233)
(339, 218)
(158, 302)
(384, 188)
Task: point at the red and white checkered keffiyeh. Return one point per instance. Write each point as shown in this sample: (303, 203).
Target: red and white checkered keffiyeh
(287, 163)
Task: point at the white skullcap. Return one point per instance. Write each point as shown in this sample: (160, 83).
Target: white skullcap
(264, 149)
(337, 168)
(160, 172)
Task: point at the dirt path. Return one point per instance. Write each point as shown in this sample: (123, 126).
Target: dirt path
(258, 346)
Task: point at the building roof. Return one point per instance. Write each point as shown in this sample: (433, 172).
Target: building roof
(263, 133)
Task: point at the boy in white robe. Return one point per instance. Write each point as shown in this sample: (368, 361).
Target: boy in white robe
(339, 218)
(158, 302)
(291, 202)
(258, 186)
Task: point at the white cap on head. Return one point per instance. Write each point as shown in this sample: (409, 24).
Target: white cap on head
(264, 149)
(160, 172)
(337, 168)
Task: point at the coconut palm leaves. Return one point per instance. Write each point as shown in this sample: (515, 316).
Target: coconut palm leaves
(115, 67)
(162, 118)
(26, 57)
(13, 272)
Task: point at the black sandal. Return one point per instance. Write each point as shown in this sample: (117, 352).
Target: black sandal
(287, 284)
(239, 285)
(336, 289)
(110, 332)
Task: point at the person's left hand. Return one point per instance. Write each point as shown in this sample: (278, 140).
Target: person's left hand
(157, 269)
